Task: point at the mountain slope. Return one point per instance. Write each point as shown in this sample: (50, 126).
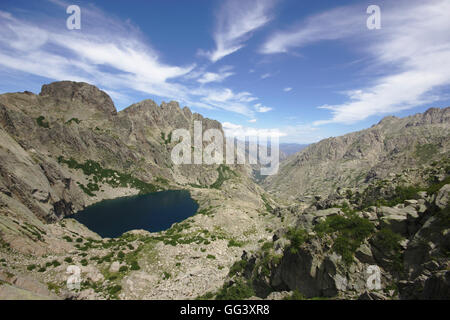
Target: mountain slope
(67, 148)
(357, 158)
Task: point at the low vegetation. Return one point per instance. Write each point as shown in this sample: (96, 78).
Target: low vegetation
(348, 232)
(112, 177)
(42, 123)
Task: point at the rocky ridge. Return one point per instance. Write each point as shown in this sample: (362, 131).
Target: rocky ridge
(67, 148)
(353, 160)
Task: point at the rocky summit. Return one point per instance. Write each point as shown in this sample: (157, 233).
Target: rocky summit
(362, 216)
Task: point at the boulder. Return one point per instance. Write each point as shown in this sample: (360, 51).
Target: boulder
(437, 286)
(443, 197)
(364, 254)
(372, 296)
(115, 266)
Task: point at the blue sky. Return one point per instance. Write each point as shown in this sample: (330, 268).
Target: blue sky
(303, 70)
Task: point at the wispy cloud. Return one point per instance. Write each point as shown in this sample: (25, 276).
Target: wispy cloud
(330, 25)
(113, 55)
(236, 21)
(287, 89)
(266, 75)
(411, 49)
(220, 76)
(414, 39)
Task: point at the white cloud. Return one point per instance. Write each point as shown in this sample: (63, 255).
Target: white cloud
(415, 41)
(113, 55)
(58, 54)
(266, 75)
(333, 24)
(236, 130)
(252, 120)
(287, 89)
(216, 77)
(410, 49)
(262, 109)
(235, 23)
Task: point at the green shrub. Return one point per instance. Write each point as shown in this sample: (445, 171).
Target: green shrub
(237, 267)
(42, 123)
(235, 243)
(114, 290)
(267, 246)
(297, 237)
(389, 242)
(240, 290)
(68, 260)
(296, 295)
(225, 173)
(135, 265)
(206, 296)
(76, 120)
(123, 269)
(56, 263)
(435, 187)
(350, 231)
(210, 256)
(31, 267)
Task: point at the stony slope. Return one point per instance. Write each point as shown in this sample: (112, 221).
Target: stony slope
(67, 148)
(354, 159)
(330, 248)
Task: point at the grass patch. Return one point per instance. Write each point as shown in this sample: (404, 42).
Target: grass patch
(235, 243)
(112, 177)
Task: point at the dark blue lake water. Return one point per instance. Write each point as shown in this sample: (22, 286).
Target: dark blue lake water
(152, 212)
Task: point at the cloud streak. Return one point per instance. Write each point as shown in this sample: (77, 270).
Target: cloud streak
(411, 49)
(236, 21)
(113, 55)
